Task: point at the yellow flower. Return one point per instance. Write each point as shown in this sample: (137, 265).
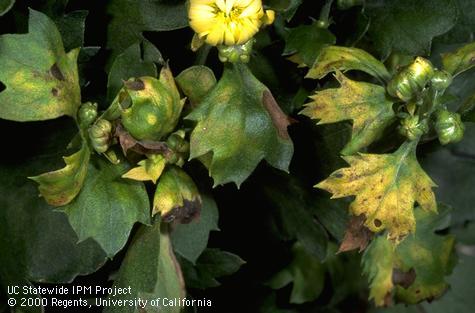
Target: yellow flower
(229, 22)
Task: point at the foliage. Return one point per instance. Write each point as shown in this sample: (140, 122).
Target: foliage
(170, 147)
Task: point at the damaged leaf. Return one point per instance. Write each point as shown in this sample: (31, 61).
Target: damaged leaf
(127, 142)
(336, 58)
(460, 60)
(148, 169)
(357, 236)
(386, 187)
(60, 187)
(414, 270)
(239, 124)
(41, 79)
(176, 197)
(363, 103)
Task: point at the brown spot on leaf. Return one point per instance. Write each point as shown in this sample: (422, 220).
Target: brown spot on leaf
(134, 84)
(56, 72)
(184, 214)
(377, 223)
(279, 119)
(404, 279)
(357, 236)
(127, 142)
(55, 92)
(338, 175)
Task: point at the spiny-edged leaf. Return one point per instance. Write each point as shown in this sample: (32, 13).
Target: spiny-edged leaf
(336, 58)
(108, 206)
(130, 63)
(212, 264)
(151, 271)
(41, 79)
(176, 197)
(196, 82)
(408, 26)
(366, 104)
(305, 272)
(60, 187)
(148, 169)
(189, 240)
(415, 269)
(130, 18)
(460, 60)
(307, 41)
(239, 124)
(5, 6)
(386, 187)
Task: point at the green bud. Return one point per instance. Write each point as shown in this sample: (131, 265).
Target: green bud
(179, 146)
(449, 127)
(100, 134)
(236, 53)
(150, 108)
(412, 128)
(441, 80)
(87, 114)
(176, 197)
(322, 24)
(411, 80)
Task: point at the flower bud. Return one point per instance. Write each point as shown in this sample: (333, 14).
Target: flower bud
(411, 80)
(150, 108)
(100, 135)
(449, 127)
(346, 4)
(236, 53)
(441, 80)
(87, 114)
(412, 128)
(179, 146)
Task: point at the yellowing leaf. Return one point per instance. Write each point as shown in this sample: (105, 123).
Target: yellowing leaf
(335, 58)
(176, 196)
(41, 79)
(366, 104)
(386, 187)
(61, 186)
(148, 169)
(415, 269)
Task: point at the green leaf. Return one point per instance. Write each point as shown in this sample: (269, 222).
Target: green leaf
(363, 103)
(5, 6)
(130, 63)
(239, 124)
(196, 82)
(294, 207)
(453, 169)
(108, 206)
(408, 26)
(211, 264)
(459, 60)
(130, 18)
(335, 58)
(60, 187)
(41, 79)
(305, 272)
(37, 243)
(415, 270)
(71, 27)
(286, 8)
(386, 187)
(151, 271)
(190, 240)
(307, 41)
